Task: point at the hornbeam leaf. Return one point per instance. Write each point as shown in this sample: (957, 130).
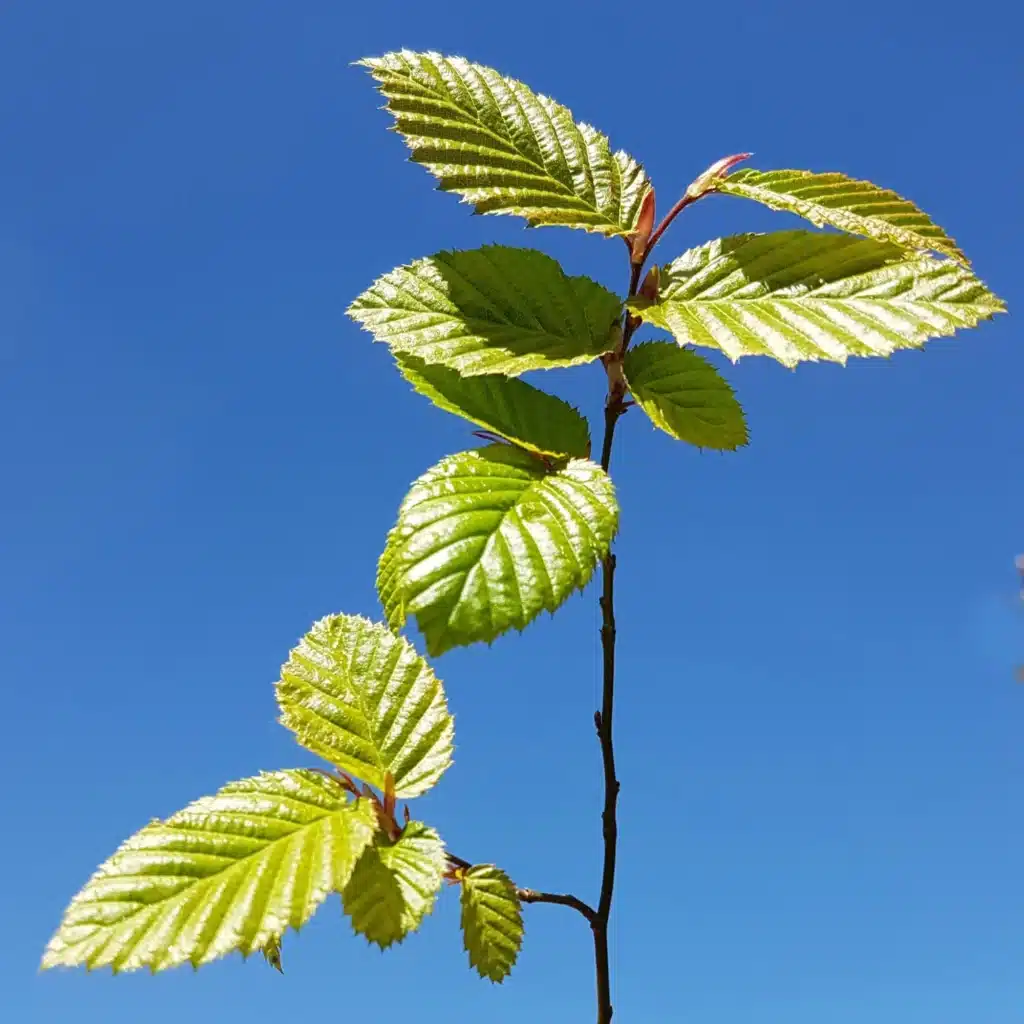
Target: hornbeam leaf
(395, 884)
(685, 395)
(858, 207)
(503, 405)
(488, 539)
(801, 295)
(505, 149)
(230, 872)
(492, 921)
(363, 699)
(388, 580)
(490, 310)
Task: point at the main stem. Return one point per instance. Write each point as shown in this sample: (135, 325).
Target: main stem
(613, 409)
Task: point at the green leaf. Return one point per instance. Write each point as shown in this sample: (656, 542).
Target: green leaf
(492, 921)
(272, 953)
(488, 539)
(388, 582)
(845, 203)
(361, 697)
(685, 395)
(490, 310)
(229, 872)
(800, 295)
(505, 406)
(394, 885)
(505, 149)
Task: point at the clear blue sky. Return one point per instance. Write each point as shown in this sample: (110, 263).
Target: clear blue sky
(820, 741)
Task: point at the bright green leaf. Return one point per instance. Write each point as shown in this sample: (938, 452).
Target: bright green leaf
(488, 539)
(503, 405)
(229, 872)
(505, 149)
(394, 885)
(492, 921)
(388, 583)
(801, 295)
(685, 395)
(845, 203)
(490, 310)
(361, 697)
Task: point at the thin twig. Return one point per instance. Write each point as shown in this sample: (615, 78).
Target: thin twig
(534, 896)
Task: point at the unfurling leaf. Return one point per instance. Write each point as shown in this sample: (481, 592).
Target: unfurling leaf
(492, 921)
(505, 149)
(801, 295)
(363, 699)
(272, 953)
(488, 539)
(503, 405)
(685, 395)
(490, 310)
(395, 884)
(833, 199)
(230, 872)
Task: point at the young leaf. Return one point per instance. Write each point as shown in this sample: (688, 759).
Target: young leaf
(394, 885)
(492, 921)
(845, 203)
(490, 310)
(488, 539)
(229, 872)
(800, 295)
(504, 148)
(685, 395)
(389, 579)
(503, 405)
(363, 699)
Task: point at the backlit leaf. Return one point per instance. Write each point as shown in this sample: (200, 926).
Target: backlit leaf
(801, 295)
(395, 884)
(490, 310)
(503, 405)
(230, 872)
(488, 539)
(492, 921)
(505, 149)
(363, 699)
(858, 207)
(685, 395)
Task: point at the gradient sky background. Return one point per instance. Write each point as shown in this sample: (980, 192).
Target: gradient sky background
(819, 735)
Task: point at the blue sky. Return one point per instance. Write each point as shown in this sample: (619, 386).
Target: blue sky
(819, 736)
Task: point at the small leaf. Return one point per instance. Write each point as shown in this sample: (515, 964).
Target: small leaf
(490, 310)
(488, 539)
(505, 149)
(801, 295)
(272, 953)
(229, 872)
(685, 396)
(394, 885)
(492, 921)
(362, 698)
(858, 207)
(503, 405)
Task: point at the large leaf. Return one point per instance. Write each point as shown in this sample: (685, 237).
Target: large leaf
(685, 395)
(490, 310)
(488, 539)
(845, 203)
(395, 884)
(229, 872)
(801, 295)
(503, 405)
(362, 698)
(492, 921)
(505, 149)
